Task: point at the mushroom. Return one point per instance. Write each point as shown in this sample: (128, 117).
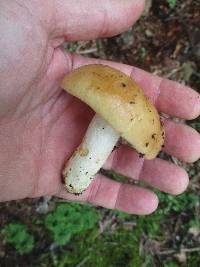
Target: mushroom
(122, 110)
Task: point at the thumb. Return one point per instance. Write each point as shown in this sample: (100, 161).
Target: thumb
(64, 62)
(85, 19)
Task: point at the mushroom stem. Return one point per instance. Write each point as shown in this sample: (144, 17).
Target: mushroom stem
(90, 156)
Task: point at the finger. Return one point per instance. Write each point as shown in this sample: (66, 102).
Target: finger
(169, 97)
(85, 19)
(114, 195)
(181, 141)
(158, 173)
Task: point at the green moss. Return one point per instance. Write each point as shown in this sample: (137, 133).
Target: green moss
(171, 3)
(111, 249)
(171, 264)
(17, 235)
(68, 220)
(193, 259)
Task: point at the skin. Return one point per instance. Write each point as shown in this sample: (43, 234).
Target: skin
(40, 124)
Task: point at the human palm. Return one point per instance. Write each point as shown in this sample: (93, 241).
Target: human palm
(41, 125)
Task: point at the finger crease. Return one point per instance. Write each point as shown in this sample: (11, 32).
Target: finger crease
(117, 196)
(94, 191)
(115, 160)
(158, 90)
(141, 169)
(104, 30)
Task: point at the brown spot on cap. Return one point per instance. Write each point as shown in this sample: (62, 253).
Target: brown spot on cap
(123, 84)
(153, 136)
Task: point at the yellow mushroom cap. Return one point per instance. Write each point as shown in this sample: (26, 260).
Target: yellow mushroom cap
(121, 102)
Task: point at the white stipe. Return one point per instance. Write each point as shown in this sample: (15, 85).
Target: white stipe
(90, 156)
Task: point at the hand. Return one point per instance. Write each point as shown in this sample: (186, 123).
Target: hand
(41, 125)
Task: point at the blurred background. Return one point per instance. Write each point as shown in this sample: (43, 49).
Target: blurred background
(49, 232)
